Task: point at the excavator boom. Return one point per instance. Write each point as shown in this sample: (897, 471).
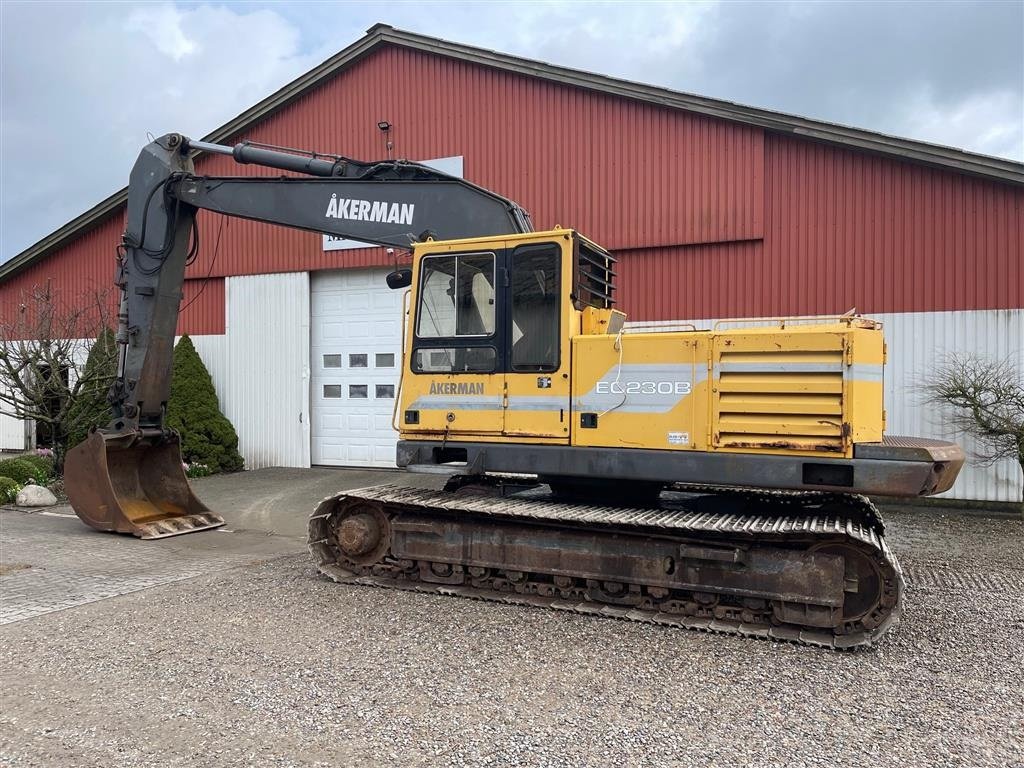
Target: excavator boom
(128, 477)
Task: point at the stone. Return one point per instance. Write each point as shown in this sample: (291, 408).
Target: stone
(35, 496)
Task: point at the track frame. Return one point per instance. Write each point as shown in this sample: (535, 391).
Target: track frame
(786, 574)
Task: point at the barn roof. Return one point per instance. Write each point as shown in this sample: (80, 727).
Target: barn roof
(380, 35)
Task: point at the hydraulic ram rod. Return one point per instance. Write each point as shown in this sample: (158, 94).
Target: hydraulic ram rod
(245, 153)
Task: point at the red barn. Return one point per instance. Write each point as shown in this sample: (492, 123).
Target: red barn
(715, 210)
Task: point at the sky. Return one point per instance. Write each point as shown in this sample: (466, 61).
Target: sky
(83, 83)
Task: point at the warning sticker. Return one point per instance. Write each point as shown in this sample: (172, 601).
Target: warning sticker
(678, 438)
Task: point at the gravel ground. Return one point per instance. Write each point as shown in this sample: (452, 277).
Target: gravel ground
(269, 665)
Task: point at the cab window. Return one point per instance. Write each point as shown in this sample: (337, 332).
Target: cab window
(456, 296)
(454, 360)
(535, 285)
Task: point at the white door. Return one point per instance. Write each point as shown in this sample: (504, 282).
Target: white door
(261, 367)
(355, 354)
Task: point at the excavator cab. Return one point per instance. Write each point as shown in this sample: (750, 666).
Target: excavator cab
(129, 484)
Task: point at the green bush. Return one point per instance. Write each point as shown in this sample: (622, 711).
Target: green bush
(9, 488)
(21, 471)
(207, 437)
(91, 408)
(43, 465)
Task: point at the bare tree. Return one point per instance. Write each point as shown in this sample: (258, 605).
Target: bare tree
(44, 342)
(986, 399)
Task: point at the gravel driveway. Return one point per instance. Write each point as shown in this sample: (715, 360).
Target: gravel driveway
(265, 664)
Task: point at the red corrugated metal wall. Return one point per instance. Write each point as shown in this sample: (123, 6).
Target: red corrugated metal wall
(202, 306)
(85, 270)
(629, 175)
(852, 229)
(844, 229)
(710, 218)
(79, 273)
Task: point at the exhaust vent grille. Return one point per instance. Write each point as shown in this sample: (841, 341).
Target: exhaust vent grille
(779, 399)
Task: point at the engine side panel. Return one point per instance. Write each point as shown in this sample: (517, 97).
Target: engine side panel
(804, 390)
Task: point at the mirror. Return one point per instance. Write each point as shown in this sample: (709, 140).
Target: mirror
(400, 278)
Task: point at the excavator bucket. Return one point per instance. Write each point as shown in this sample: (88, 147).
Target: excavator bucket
(139, 488)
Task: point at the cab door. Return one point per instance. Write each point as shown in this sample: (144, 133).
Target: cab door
(455, 382)
(536, 329)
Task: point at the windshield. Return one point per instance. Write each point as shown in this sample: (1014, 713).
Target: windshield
(456, 296)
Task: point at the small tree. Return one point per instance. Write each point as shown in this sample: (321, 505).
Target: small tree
(91, 408)
(43, 341)
(987, 402)
(207, 437)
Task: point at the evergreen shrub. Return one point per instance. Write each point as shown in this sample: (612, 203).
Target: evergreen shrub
(21, 471)
(91, 408)
(207, 437)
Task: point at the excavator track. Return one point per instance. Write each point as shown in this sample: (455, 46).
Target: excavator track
(801, 566)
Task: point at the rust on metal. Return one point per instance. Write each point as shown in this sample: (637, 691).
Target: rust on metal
(805, 566)
(363, 532)
(947, 459)
(134, 484)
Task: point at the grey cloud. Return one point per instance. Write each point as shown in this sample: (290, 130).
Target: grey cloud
(83, 83)
(872, 65)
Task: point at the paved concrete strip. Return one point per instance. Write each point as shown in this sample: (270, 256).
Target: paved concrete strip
(50, 564)
(50, 561)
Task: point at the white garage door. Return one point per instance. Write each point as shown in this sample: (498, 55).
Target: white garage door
(356, 338)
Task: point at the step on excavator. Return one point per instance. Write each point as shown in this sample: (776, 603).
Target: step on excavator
(711, 479)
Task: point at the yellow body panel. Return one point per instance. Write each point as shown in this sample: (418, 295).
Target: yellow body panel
(784, 387)
(805, 389)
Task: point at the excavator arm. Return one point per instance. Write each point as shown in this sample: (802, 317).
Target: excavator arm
(128, 476)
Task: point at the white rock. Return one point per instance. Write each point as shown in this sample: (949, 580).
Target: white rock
(35, 496)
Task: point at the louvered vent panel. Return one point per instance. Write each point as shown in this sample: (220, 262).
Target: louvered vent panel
(779, 399)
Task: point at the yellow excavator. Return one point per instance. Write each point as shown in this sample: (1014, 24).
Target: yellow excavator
(711, 479)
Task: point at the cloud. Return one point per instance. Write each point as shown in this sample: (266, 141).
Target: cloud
(983, 121)
(82, 83)
(162, 25)
(950, 73)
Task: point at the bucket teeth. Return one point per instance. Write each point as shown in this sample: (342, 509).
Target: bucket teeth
(176, 526)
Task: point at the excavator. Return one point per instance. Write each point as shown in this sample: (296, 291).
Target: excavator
(709, 479)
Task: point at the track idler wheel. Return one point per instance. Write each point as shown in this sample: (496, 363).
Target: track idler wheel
(363, 533)
(869, 597)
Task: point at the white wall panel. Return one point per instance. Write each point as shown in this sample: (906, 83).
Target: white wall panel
(12, 433)
(266, 368)
(917, 344)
